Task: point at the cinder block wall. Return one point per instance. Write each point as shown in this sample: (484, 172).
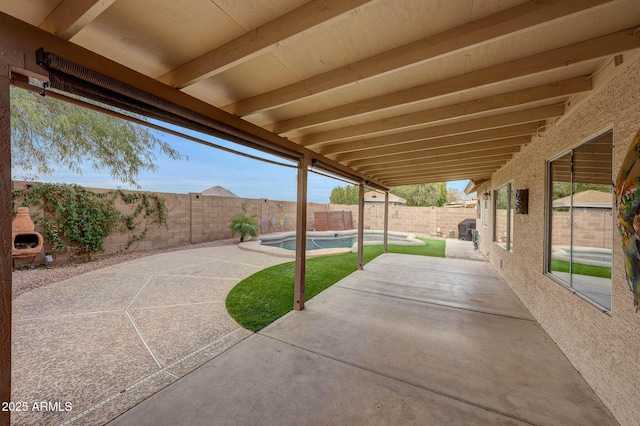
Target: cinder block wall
(417, 220)
(603, 347)
(195, 218)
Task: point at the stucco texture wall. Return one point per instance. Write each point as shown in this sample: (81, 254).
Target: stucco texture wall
(603, 347)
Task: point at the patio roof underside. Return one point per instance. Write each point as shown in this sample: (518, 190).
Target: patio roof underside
(401, 92)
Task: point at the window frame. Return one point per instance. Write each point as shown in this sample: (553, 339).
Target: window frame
(548, 217)
(510, 194)
(485, 211)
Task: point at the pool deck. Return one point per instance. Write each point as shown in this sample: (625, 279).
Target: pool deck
(106, 340)
(408, 340)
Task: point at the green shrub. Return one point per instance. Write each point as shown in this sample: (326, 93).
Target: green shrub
(244, 225)
(77, 221)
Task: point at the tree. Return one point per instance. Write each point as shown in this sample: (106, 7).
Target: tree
(428, 194)
(47, 132)
(344, 195)
(454, 195)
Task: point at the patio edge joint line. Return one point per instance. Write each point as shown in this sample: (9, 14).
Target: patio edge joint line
(135, 327)
(140, 382)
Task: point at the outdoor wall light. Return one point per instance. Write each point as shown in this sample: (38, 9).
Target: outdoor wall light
(486, 196)
(522, 201)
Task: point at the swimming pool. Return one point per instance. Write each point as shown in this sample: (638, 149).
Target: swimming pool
(337, 239)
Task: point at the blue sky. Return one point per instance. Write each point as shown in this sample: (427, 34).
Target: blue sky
(207, 167)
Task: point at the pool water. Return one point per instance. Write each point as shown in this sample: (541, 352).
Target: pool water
(330, 241)
(316, 243)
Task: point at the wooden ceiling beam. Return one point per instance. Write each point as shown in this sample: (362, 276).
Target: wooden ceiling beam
(513, 135)
(445, 43)
(307, 18)
(382, 175)
(430, 174)
(526, 122)
(438, 178)
(21, 37)
(71, 16)
(461, 109)
(422, 162)
(478, 150)
(558, 58)
(494, 122)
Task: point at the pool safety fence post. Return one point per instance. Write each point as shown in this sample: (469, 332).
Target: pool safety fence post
(301, 235)
(6, 242)
(386, 221)
(361, 227)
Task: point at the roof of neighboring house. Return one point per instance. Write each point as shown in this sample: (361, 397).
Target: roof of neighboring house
(378, 197)
(589, 198)
(218, 191)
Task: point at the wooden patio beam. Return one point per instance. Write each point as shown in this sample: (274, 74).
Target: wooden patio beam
(432, 156)
(301, 235)
(22, 37)
(442, 169)
(499, 123)
(385, 242)
(6, 241)
(608, 45)
(361, 226)
(418, 172)
(445, 43)
(420, 161)
(439, 178)
(463, 152)
(300, 22)
(472, 162)
(511, 136)
(519, 97)
(71, 16)
(398, 167)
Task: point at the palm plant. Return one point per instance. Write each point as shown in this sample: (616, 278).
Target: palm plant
(244, 225)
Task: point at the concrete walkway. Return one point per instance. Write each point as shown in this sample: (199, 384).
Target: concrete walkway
(409, 340)
(108, 339)
(460, 249)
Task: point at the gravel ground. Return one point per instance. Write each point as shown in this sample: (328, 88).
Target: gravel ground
(27, 279)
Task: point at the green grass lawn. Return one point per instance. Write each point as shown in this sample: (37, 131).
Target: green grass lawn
(581, 269)
(266, 295)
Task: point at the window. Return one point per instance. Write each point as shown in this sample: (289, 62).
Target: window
(580, 219)
(485, 210)
(503, 208)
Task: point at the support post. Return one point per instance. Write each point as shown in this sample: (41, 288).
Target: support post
(6, 242)
(301, 235)
(386, 221)
(361, 227)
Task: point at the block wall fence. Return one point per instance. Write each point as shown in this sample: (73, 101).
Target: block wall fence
(195, 218)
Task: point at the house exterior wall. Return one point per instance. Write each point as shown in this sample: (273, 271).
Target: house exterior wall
(603, 347)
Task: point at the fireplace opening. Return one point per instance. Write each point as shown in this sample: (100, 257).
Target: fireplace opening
(26, 241)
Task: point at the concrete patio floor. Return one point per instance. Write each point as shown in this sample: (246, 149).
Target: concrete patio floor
(409, 340)
(106, 340)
